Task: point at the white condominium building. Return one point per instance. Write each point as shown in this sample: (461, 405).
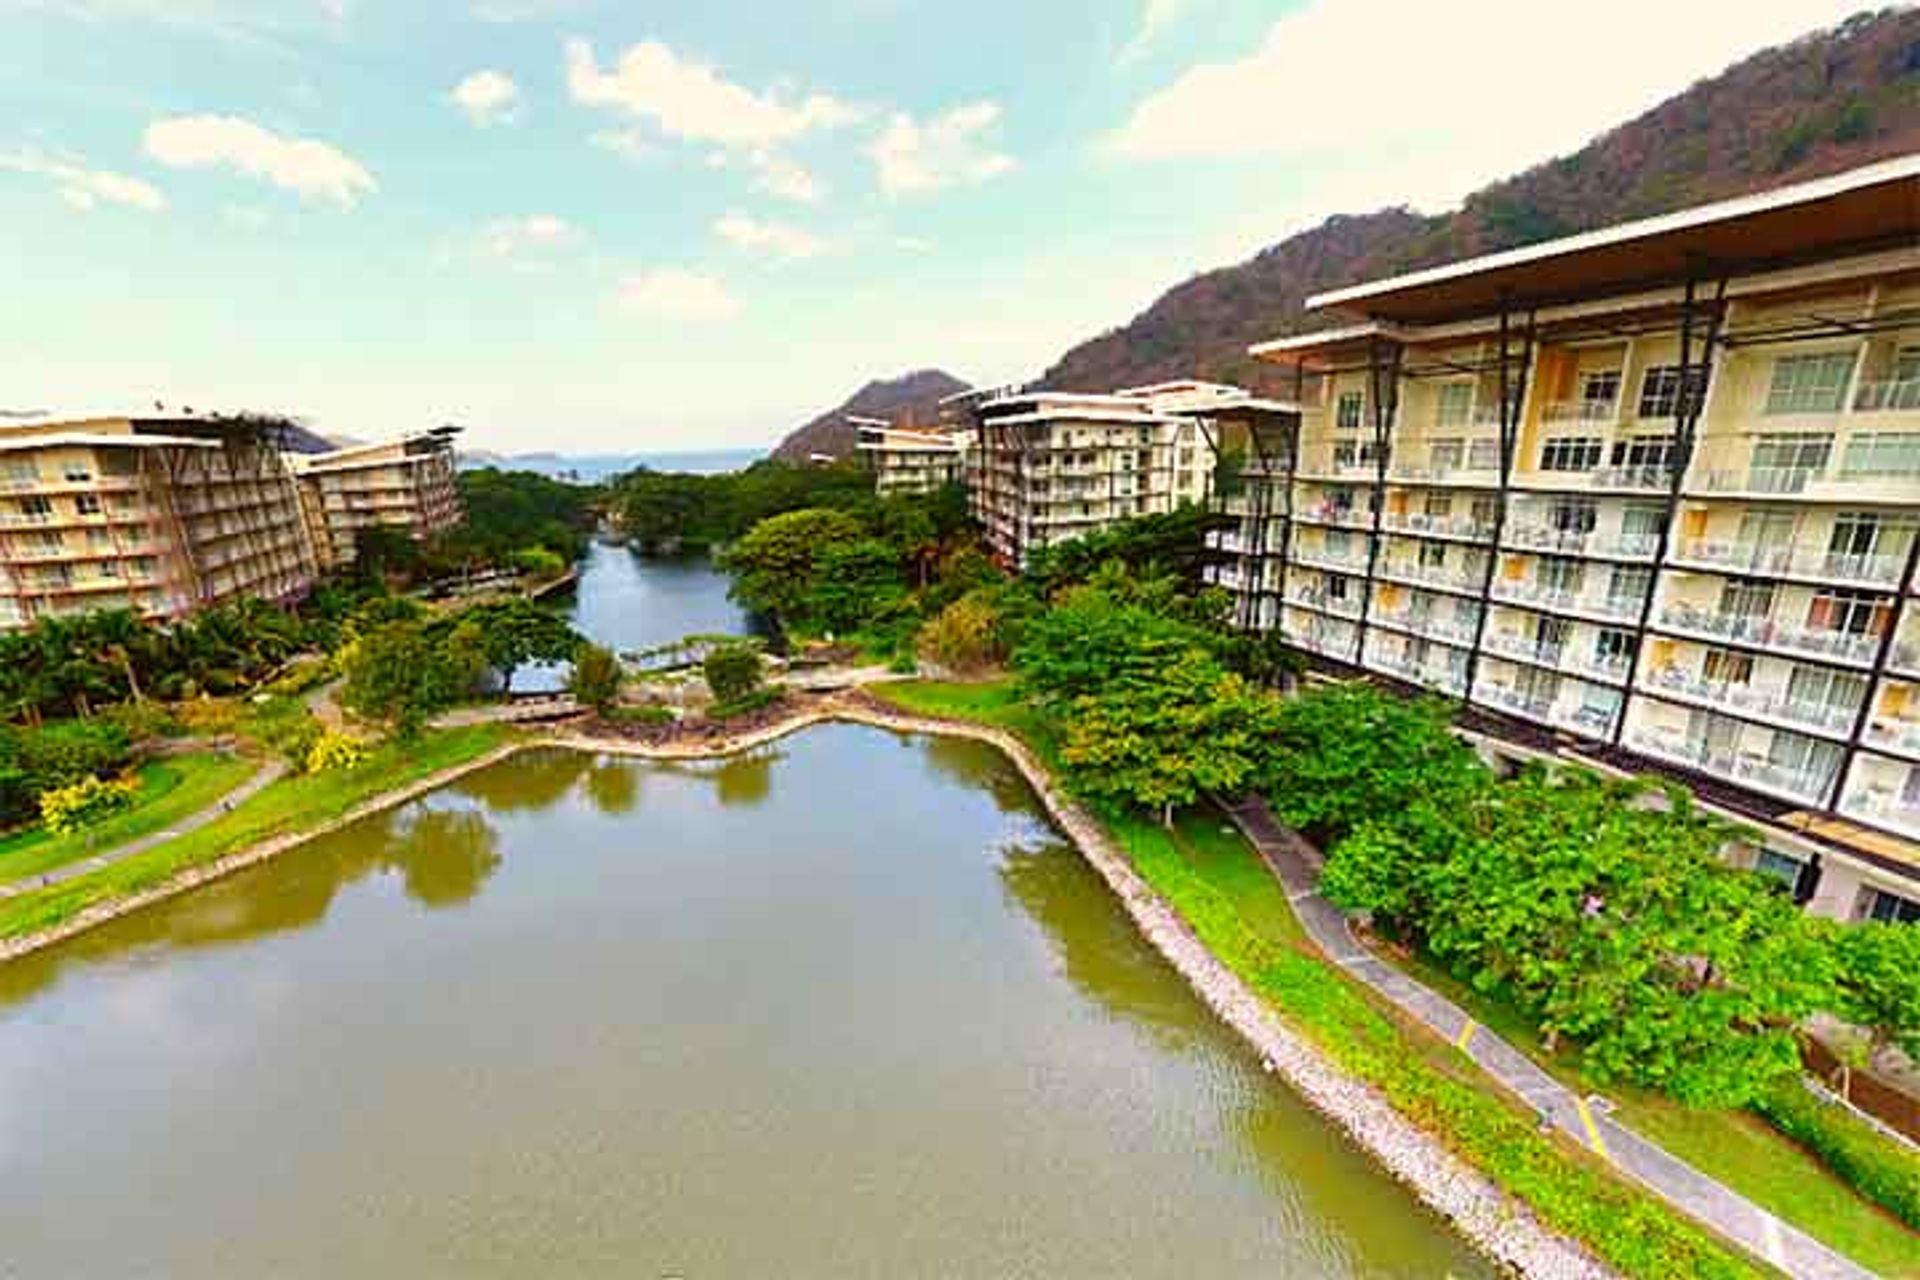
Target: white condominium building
(908, 459)
(1649, 496)
(407, 484)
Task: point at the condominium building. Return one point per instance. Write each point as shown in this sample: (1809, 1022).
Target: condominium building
(161, 515)
(908, 459)
(1648, 496)
(1046, 467)
(407, 484)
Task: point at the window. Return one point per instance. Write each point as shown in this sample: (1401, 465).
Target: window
(1646, 452)
(76, 471)
(1598, 391)
(1725, 667)
(1446, 455)
(1780, 867)
(1850, 612)
(1883, 453)
(1783, 463)
(1629, 585)
(1611, 646)
(1890, 908)
(1750, 600)
(1558, 573)
(1338, 543)
(1571, 453)
(1811, 761)
(22, 473)
(1767, 530)
(1483, 512)
(1438, 506)
(1433, 555)
(1660, 390)
(1483, 455)
(1858, 534)
(1820, 688)
(1336, 587)
(1570, 515)
(1643, 525)
(1455, 405)
(35, 508)
(87, 504)
(1549, 634)
(1348, 410)
(1811, 383)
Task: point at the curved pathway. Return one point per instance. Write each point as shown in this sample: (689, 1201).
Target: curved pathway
(266, 776)
(1297, 866)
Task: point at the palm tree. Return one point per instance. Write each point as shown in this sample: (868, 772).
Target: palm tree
(118, 635)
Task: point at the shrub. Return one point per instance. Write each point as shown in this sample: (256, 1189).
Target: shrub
(332, 750)
(733, 672)
(54, 756)
(596, 677)
(966, 636)
(1875, 1166)
(746, 704)
(285, 727)
(86, 803)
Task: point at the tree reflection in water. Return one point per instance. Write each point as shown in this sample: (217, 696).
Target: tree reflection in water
(613, 785)
(528, 783)
(446, 855)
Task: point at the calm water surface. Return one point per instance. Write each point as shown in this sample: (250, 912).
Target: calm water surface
(846, 1008)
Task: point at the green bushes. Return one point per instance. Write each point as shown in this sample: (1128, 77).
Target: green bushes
(965, 636)
(1877, 1167)
(54, 756)
(732, 672)
(596, 677)
(86, 803)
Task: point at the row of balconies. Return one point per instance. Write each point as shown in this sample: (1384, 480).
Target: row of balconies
(1764, 631)
(1808, 785)
(1816, 563)
(1756, 702)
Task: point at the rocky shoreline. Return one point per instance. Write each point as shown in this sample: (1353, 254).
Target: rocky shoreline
(1493, 1221)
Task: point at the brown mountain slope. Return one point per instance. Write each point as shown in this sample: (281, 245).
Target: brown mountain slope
(911, 398)
(1832, 100)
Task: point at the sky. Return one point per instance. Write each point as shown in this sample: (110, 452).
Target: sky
(617, 225)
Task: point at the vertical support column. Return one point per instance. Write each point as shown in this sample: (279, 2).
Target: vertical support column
(1513, 395)
(1687, 410)
(1383, 396)
(1881, 652)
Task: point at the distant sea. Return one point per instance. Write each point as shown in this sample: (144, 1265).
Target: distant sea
(599, 466)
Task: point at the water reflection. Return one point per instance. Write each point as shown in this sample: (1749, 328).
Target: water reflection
(446, 855)
(613, 785)
(977, 767)
(531, 782)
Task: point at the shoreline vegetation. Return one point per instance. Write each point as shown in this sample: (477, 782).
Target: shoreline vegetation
(1524, 1199)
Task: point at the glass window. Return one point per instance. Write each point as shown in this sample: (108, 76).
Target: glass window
(1572, 515)
(1851, 612)
(1780, 867)
(1348, 410)
(1559, 573)
(1891, 908)
(1811, 383)
(1642, 522)
(1782, 463)
(1643, 451)
(1446, 455)
(1724, 666)
(1571, 453)
(22, 473)
(1438, 506)
(1598, 390)
(87, 504)
(1826, 688)
(1660, 390)
(1336, 587)
(1455, 404)
(1610, 645)
(36, 508)
(1752, 600)
(1433, 555)
(1629, 584)
(1883, 453)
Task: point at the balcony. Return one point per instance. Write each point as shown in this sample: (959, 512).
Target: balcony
(1450, 677)
(1652, 478)
(1814, 717)
(1341, 517)
(1462, 474)
(1454, 631)
(1752, 559)
(1341, 648)
(1829, 480)
(1885, 808)
(1454, 528)
(1321, 602)
(1897, 734)
(1326, 558)
(1672, 744)
(1540, 537)
(1461, 581)
(1581, 410)
(1607, 608)
(1894, 395)
(1506, 697)
(1765, 633)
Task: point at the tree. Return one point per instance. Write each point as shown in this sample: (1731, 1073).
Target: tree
(519, 631)
(1088, 644)
(1878, 980)
(1161, 745)
(596, 677)
(966, 635)
(402, 673)
(777, 566)
(732, 672)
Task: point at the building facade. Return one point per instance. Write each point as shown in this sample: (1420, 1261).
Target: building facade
(408, 484)
(908, 460)
(1649, 497)
(160, 515)
(1048, 467)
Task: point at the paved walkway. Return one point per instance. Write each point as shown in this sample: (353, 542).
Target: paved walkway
(1586, 1119)
(268, 774)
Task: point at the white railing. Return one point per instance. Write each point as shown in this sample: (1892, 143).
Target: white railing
(1819, 716)
(1324, 603)
(1453, 473)
(1814, 562)
(1463, 527)
(1450, 677)
(1765, 632)
(1417, 574)
(1893, 394)
(1325, 513)
(1895, 734)
(1673, 744)
(1325, 558)
(1446, 630)
(1582, 410)
(1524, 591)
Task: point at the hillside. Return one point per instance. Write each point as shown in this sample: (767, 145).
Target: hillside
(1839, 98)
(911, 398)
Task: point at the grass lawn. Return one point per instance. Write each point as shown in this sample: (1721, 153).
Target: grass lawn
(290, 805)
(1216, 882)
(1738, 1147)
(170, 790)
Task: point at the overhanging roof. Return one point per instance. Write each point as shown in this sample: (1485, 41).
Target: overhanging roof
(1856, 211)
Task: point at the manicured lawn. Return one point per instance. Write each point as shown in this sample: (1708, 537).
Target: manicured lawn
(1216, 882)
(291, 805)
(1738, 1147)
(170, 790)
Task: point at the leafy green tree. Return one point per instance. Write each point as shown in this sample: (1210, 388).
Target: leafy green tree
(732, 672)
(967, 635)
(595, 680)
(402, 673)
(778, 566)
(516, 632)
(1878, 978)
(1090, 645)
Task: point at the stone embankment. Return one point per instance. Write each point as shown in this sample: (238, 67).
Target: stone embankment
(1495, 1222)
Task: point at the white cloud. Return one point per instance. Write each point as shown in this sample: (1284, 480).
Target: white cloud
(488, 97)
(1512, 95)
(311, 169)
(517, 237)
(777, 239)
(945, 151)
(778, 176)
(1154, 22)
(677, 294)
(85, 188)
(690, 100)
(630, 142)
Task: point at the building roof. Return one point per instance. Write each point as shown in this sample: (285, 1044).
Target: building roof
(17, 442)
(360, 455)
(1876, 206)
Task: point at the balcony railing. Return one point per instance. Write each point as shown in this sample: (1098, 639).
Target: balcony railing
(1446, 473)
(1323, 602)
(1811, 562)
(1891, 395)
(1447, 630)
(1765, 632)
(1463, 527)
(1673, 744)
(1530, 706)
(1611, 607)
(1540, 537)
(1582, 410)
(1761, 479)
(1342, 647)
(1326, 558)
(1820, 717)
(1327, 513)
(1895, 733)
(1450, 677)
(1414, 573)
